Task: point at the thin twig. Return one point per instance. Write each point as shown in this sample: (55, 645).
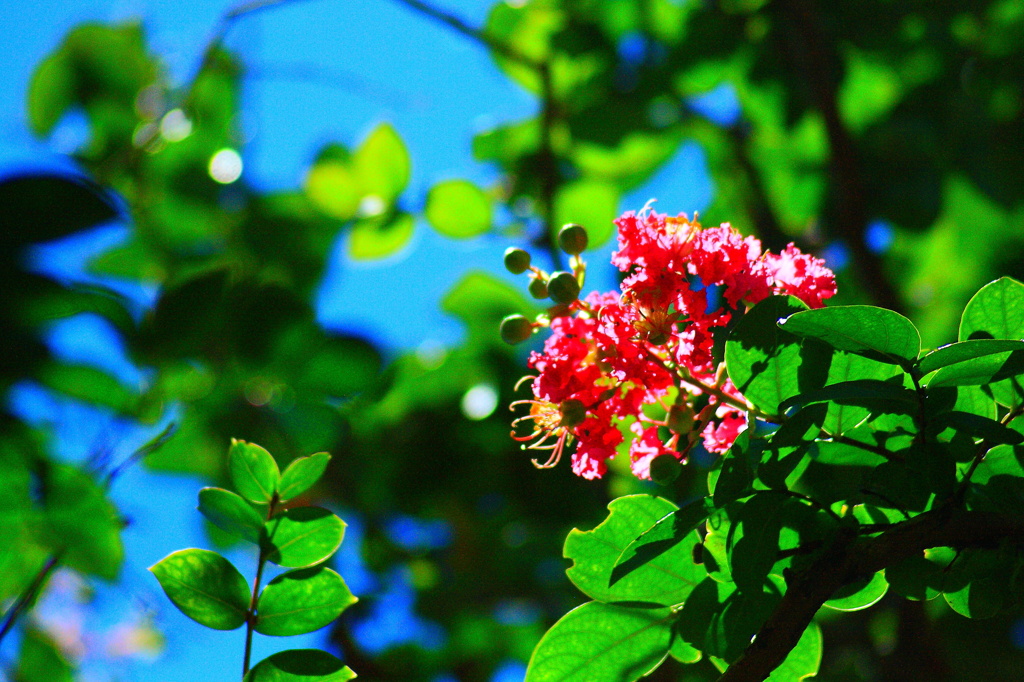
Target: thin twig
(30, 593)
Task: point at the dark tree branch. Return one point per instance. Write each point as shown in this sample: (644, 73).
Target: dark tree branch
(816, 59)
(849, 559)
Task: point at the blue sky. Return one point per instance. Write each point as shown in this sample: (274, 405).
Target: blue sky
(319, 71)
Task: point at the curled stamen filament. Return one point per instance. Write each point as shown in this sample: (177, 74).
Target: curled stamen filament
(547, 419)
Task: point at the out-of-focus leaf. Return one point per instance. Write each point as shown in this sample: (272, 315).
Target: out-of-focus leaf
(380, 237)
(230, 513)
(592, 204)
(302, 537)
(302, 601)
(90, 385)
(459, 209)
(42, 207)
(598, 641)
(302, 473)
(205, 586)
(253, 471)
(334, 189)
(382, 164)
(300, 665)
(41, 659)
(81, 522)
(481, 301)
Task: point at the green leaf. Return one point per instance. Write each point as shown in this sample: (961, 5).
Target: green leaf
(977, 427)
(849, 367)
(683, 652)
(382, 164)
(843, 454)
(859, 595)
(978, 371)
(230, 513)
(302, 601)
(769, 365)
(381, 236)
(205, 586)
(51, 92)
(954, 353)
(598, 641)
(81, 522)
(89, 385)
(41, 207)
(996, 312)
(875, 333)
(738, 621)
(735, 477)
(41, 659)
(921, 577)
(670, 530)
(753, 540)
(303, 537)
(300, 665)
(301, 474)
(977, 584)
(666, 579)
(879, 397)
(459, 209)
(591, 203)
(804, 660)
(333, 187)
(253, 471)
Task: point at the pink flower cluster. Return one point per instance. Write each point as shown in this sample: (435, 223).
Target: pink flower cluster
(611, 355)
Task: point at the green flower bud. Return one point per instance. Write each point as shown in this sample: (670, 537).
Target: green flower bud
(517, 261)
(563, 288)
(573, 413)
(573, 239)
(538, 288)
(681, 419)
(665, 469)
(515, 329)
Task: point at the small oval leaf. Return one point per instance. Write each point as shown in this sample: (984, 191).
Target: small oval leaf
(230, 513)
(302, 537)
(300, 665)
(253, 471)
(459, 209)
(875, 333)
(302, 601)
(598, 641)
(302, 474)
(859, 595)
(205, 586)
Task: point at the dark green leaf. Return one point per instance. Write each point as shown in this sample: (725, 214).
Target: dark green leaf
(459, 209)
(996, 312)
(702, 606)
(300, 665)
(844, 454)
(735, 625)
(735, 476)
(875, 333)
(769, 365)
(753, 541)
(205, 586)
(804, 660)
(665, 579)
(977, 584)
(921, 577)
(849, 367)
(974, 426)
(89, 385)
(955, 353)
(302, 473)
(302, 601)
(978, 371)
(879, 397)
(598, 641)
(41, 208)
(41, 659)
(231, 513)
(253, 471)
(859, 595)
(303, 537)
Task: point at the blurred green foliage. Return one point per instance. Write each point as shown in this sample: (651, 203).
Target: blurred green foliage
(849, 113)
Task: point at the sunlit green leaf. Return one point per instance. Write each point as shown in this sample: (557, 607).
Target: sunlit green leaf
(459, 209)
(302, 601)
(602, 642)
(876, 333)
(205, 586)
(382, 164)
(859, 595)
(921, 577)
(844, 366)
(300, 665)
(334, 189)
(590, 203)
(996, 312)
(303, 537)
(954, 353)
(302, 473)
(669, 531)
(253, 471)
(665, 579)
(230, 513)
(804, 660)
(978, 371)
(382, 236)
(754, 540)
